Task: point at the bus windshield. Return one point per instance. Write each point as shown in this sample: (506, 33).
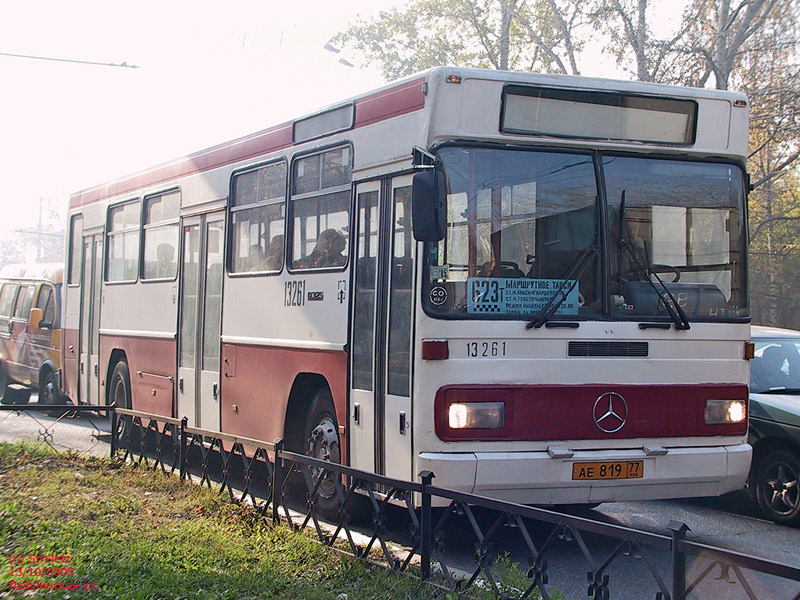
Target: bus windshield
(525, 226)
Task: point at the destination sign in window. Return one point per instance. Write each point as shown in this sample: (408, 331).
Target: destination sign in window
(519, 296)
(598, 115)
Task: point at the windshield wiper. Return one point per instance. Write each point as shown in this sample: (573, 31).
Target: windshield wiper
(666, 298)
(570, 280)
(779, 390)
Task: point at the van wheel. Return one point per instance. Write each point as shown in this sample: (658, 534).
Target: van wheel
(119, 393)
(4, 399)
(322, 442)
(49, 394)
(778, 487)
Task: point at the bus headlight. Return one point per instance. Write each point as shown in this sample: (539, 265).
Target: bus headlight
(721, 412)
(477, 415)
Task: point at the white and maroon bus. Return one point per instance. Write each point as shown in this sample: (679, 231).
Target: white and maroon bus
(533, 286)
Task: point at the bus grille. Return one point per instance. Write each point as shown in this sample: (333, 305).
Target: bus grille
(610, 349)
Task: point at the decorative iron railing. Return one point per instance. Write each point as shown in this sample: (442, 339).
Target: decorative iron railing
(392, 522)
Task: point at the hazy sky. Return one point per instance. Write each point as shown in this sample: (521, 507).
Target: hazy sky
(209, 71)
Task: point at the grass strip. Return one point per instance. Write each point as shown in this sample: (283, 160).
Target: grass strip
(135, 533)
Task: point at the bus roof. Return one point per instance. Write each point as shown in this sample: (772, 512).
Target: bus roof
(394, 99)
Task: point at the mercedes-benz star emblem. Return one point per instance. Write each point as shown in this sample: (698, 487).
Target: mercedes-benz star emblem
(610, 412)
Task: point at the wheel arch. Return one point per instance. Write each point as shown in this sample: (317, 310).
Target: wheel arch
(766, 445)
(117, 354)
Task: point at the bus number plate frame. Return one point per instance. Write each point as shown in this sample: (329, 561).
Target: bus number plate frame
(607, 470)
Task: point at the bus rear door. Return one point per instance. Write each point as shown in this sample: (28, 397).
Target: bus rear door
(199, 320)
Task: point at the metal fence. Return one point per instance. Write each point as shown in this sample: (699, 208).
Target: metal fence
(516, 551)
(47, 430)
(359, 512)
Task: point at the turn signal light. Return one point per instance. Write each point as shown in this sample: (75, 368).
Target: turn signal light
(435, 350)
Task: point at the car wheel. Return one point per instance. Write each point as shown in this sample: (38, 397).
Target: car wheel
(778, 487)
(322, 442)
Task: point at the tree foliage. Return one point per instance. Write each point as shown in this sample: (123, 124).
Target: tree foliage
(501, 34)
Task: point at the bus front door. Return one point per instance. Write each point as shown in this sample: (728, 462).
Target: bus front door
(91, 290)
(380, 407)
(199, 320)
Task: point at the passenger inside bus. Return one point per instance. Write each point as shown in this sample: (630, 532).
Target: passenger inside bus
(167, 267)
(256, 260)
(274, 259)
(327, 253)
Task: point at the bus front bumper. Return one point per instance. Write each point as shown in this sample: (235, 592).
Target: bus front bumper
(539, 478)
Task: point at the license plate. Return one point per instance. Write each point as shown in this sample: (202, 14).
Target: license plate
(622, 469)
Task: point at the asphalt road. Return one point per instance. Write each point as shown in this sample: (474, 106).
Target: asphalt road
(730, 522)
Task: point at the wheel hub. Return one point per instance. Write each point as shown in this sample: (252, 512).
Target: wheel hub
(784, 489)
(323, 443)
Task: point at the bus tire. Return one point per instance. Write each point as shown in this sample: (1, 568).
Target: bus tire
(48, 391)
(321, 435)
(777, 484)
(119, 393)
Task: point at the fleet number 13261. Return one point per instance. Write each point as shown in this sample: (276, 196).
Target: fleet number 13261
(487, 349)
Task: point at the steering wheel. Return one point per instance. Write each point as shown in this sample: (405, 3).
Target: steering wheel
(624, 275)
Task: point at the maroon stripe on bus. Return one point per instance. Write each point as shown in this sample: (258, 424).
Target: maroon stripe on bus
(386, 104)
(390, 103)
(566, 412)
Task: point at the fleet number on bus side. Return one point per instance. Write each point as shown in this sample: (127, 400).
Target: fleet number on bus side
(487, 349)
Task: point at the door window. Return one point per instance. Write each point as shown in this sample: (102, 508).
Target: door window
(212, 305)
(398, 368)
(364, 307)
(46, 302)
(24, 301)
(191, 276)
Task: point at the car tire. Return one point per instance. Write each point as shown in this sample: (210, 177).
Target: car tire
(777, 486)
(321, 435)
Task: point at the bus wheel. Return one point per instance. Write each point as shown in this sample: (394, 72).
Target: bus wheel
(778, 487)
(322, 442)
(120, 394)
(48, 392)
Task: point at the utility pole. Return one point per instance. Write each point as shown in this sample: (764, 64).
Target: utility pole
(40, 233)
(39, 236)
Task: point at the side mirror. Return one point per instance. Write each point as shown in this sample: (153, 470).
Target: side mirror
(429, 206)
(35, 318)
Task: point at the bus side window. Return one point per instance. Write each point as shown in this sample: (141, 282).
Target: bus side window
(122, 242)
(320, 210)
(257, 220)
(161, 235)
